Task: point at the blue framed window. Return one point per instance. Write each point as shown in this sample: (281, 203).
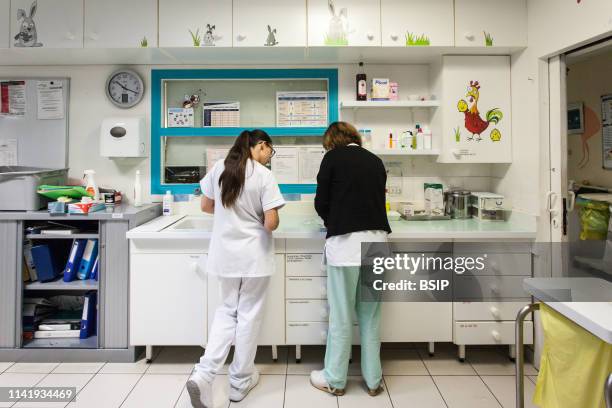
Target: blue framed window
(159, 132)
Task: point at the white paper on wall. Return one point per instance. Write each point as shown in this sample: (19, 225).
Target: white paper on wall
(213, 155)
(309, 163)
(8, 152)
(50, 98)
(285, 165)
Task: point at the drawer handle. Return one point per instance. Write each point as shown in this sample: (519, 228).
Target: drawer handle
(70, 36)
(394, 36)
(323, 334)
(469, 36)
(241, 37)
(495, 289)
(496, 335)
(323, 291)
(495, 312)
(324, 312)
(369, 36)
(194, 267)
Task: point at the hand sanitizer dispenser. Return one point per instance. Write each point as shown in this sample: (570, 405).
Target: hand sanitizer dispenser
(122, 137)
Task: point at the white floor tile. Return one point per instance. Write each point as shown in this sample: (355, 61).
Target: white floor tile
(137, 367)
(43, 368)
(299, 393)
(175, 360)
(402, 362)
(18, 380)
(465, 392)
(357, 397)
(504, 389)
(78, 368)
(413, 391)
(489, 362)
(220, 389)
(4, 365)
(445, 362)
(269, 393)
(312, 359)
(57, 380)
(153, 391)
(105, 391)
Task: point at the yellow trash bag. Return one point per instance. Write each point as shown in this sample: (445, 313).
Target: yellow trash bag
(574, 366)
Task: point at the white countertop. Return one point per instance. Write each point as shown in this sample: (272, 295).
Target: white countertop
(590, 306)
(307, 226)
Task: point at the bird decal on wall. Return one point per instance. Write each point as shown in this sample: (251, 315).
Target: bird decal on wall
(473, 122)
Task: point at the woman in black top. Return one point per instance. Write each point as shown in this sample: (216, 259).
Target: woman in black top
(351, 201)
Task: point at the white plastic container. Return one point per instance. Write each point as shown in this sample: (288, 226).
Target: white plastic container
(427, 139)
(167, 203)
(90, 184)
(137, 190)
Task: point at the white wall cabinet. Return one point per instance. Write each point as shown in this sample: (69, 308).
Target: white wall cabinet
(177, 17)
(120, 24)
(168, 299)
(286, 21)
(58, 23)
(504, 21)
(409, 22)
(476, 112)
(5, 11)
(272, 330)
(351, 22)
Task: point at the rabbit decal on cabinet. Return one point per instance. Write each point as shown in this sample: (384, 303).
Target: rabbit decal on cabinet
(209, 37)
(27, 36)
(337, 33)
(271, 41)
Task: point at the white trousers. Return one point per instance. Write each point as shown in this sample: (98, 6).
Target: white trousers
(237, 320)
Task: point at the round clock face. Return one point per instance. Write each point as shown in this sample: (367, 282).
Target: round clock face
(124, 88)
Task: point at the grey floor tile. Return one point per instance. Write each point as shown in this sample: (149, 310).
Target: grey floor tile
(490, 362)
(413, 391)
(151, 391)
(465, 392)
(105, 391)
(357, 397)
(445, 362)
(504, 389)
(299, 393)
(402, 362)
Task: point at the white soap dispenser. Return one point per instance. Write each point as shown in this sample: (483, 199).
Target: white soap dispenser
(167, 203)
(137, 190)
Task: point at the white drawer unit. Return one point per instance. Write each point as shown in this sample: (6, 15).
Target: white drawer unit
(312, 333)
(486, 311)
(467, 333)
(306, 287)
(305, 265)
(306, 246)
(307, 310)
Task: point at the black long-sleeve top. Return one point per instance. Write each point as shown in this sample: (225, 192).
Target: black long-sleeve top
(351, 191)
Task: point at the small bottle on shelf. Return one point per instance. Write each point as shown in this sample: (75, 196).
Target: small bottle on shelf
(361, 85)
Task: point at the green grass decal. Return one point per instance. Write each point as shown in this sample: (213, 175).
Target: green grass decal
(457, 134)
(488, 39)
(144, 43)
(336, 41)
(196, 37)
(413, 39)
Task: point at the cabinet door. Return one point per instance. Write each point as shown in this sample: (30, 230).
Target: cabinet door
(167, 299)
(269, 23)
(416, 321)
(476, 124)
(120, 24)
(503, 22)
(410, 22)
(5, 6)
(343, 22)
(57, 24)
(272, 330)
(210, 19)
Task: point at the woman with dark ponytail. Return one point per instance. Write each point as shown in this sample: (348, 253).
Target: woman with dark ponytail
(244, 197)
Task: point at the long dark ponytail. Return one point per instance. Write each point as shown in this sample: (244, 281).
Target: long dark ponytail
(233, 176)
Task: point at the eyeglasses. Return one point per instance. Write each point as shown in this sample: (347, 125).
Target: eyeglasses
(271, 148)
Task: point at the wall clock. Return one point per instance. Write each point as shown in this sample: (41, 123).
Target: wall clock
(124, 88)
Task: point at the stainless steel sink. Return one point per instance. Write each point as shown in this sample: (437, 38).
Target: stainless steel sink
(193, 223)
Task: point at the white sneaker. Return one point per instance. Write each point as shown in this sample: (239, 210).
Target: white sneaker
(200, 392)
(236, 395)
(317, 379)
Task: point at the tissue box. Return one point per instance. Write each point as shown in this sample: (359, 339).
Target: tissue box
(380, 89)
(57, 207)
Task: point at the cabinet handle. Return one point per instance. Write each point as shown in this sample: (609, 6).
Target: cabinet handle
(69, 36)
(323, 334)
(469, 36)
(394, 37)
(495, 312)
(369, 36)
(495, 289)
(241, 37)
(324, 312)
(494, 266)
(194, 267)
(93, 36)
(496, 335)
(323, 291)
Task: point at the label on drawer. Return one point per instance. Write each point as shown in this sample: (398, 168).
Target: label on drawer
(304, 265)
(294, 258)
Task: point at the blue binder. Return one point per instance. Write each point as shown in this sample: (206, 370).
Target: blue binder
(94, 270)
(88, 319)
(74, 260)
(89, 257)
(46, 264)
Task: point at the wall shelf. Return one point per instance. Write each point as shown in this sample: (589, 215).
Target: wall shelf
(389, 104)
(402, 152)
(62, 236)
(62, 343)
(59, 284)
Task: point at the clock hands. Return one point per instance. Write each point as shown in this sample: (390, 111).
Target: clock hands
(124, 87)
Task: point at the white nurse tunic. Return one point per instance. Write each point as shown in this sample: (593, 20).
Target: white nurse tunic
(240, 246)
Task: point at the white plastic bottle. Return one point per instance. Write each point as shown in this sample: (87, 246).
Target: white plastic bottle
(137, 190)
(167, 203)
(90, 184)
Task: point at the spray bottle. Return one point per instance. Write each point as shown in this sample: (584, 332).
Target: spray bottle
(90, 184)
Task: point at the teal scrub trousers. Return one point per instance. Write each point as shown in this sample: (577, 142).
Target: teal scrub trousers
(343, 298)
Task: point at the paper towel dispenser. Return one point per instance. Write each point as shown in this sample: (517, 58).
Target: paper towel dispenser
(122, 137)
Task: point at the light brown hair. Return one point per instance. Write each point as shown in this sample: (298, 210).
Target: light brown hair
(340, 134)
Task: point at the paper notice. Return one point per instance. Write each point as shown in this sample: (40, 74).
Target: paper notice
(213, 155)
(285, 165)
(50, 96)
(12, 98)
(309, 162)
(8, 152)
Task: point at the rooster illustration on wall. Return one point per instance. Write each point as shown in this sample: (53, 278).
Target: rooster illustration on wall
(473, 122)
